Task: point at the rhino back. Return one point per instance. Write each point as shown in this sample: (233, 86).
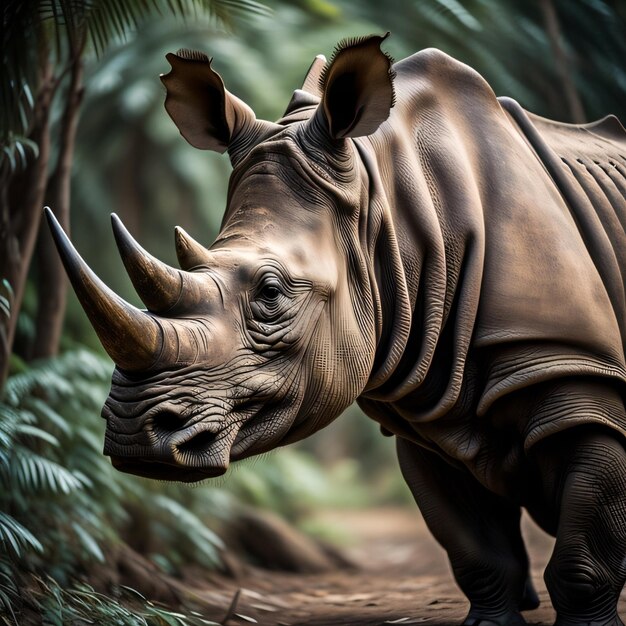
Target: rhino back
(588, 164)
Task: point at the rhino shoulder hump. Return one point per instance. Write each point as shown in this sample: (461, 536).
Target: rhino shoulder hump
(442, 72)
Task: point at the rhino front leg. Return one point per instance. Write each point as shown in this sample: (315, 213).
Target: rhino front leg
(585, 477)
(480, 532)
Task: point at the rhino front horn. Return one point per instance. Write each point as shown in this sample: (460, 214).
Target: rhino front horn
(132, 338)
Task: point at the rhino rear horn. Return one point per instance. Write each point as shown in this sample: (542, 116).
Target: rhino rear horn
(189, 252)
(132, 338)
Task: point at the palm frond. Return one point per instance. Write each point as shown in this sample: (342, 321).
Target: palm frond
(6, 298)
(19, 67)
(9, 589)
(456, 9)
(88, 542)
(16, 536)
(34, 30)
(34, 432)
(18, 151)
(46, 415)
(201, 538)
(10, 417)
(81, 603)
(50, 378)
(32, 472)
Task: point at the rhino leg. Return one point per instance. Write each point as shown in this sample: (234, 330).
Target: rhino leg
(584, 473)
(480, 532)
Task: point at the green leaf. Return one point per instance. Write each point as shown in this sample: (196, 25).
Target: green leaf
(456, 9)
(7, 286)
(7, 603)
(29, 430)
(204, 541)
(5, 306)
(91, 439)
(133, 592)
(17, 536)
(88, 542)
(33, 472)
(82, 478)
(11, 157)
(164, 616)
(46, 413)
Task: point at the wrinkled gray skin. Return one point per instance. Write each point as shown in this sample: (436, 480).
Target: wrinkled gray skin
(449, 261)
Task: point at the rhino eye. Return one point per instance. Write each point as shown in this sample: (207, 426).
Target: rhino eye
(270, 293)
(269, 299)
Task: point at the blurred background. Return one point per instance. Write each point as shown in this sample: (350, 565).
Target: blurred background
(83, 129)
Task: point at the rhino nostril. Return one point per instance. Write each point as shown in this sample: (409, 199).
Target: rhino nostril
(166, 422)
(198, 444)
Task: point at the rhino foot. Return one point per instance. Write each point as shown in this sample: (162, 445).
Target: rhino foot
(509, 618)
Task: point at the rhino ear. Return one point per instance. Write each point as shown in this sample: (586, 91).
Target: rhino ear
(357, 88)
(206, 114)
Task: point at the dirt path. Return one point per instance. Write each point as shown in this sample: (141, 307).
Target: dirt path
(402, 578)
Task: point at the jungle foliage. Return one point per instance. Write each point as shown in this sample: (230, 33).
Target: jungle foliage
(63, 507)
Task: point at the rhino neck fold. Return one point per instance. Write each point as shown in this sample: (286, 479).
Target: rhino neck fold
(426, 271)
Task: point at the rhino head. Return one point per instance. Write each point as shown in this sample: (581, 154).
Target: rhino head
(268, 334)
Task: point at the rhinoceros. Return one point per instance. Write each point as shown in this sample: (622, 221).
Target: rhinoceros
(405, 239)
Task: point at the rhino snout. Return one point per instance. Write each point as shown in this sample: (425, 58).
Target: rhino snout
(164, 444)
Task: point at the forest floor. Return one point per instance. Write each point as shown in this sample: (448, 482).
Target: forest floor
(401, 576)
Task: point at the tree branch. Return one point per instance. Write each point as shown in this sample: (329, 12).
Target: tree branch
(51, 285)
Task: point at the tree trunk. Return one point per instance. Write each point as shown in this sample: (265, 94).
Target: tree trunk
(21, 203)
(551, 21)
(51, 283)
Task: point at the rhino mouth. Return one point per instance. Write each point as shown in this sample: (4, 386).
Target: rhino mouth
(164, 471)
